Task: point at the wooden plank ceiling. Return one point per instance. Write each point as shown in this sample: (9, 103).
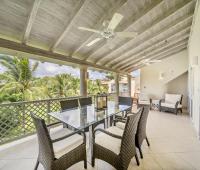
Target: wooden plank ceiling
(50, 28)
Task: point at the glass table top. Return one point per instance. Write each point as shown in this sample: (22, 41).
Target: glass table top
(83, 117)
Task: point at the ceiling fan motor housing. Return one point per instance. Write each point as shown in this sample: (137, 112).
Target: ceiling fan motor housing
(107, 34)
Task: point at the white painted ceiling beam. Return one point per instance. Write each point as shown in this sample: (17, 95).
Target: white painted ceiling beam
(171, 12)
(155, 52)
(173, 25)
(30, 21)
(152, 47)
(106, 16)
(159, 58)
(141, 14)
(78, 9)
(164, 53)
(44, 53)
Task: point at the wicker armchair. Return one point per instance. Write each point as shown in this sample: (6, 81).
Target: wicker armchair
(52, 155)
(141, 128)
(116, 146)
(171, 103)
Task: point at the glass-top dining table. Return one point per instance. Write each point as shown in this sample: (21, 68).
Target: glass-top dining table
(84, 117)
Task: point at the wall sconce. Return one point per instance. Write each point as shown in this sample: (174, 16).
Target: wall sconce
(161, 76)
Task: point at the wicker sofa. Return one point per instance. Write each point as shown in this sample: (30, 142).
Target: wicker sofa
(171, 103)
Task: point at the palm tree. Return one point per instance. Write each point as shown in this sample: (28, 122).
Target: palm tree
(18, 77)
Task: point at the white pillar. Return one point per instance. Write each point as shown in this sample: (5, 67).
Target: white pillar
(83, 81)
(117, 86)
(129, 85)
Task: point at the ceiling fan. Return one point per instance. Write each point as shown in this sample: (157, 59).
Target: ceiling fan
(108, 30)
(148, 61)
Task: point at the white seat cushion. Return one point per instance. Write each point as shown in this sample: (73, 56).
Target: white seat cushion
(172, 98)
(120, 114)
(144, 102)
(120, 125)
(64, 146)
(143, 96)
(170, 105)
(109, 142)
(115, 130)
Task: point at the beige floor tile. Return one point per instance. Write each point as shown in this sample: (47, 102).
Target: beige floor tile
(192, 157)
(172, 161)
(80, 166)
(174, 145)
(102, 165)
(147, 163)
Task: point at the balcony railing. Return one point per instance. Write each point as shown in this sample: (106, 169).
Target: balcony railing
(15, 120)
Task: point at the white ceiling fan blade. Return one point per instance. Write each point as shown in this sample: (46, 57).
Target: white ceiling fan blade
(126, 34)
(89, 29)
(93, 42)
(115, 21)
(155, 61)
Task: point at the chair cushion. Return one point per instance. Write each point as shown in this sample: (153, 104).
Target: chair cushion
(120, 114)
(143, 96)
(144, 102)
(172, 98)
(170, 105)
(64, 146)
(120, 125)
(109, 142)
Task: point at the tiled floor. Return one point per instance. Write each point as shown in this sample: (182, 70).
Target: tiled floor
(174, 145)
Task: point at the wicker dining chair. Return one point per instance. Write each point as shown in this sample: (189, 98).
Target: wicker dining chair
(141, 129)
(123, 101)
(85, 101)
(116, 146)
(69, 104)
(48, 147)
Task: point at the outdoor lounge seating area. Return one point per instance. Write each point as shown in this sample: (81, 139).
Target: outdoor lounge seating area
(99, 84)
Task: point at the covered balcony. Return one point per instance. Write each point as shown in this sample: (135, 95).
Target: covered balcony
(148, 52)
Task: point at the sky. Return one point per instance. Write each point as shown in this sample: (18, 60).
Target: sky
(51, 69)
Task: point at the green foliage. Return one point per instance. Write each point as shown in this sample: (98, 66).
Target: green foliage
(19, 84)
(94, 87)
(18, 78)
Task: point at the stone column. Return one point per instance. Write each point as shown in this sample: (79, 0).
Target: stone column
(83, 81)
(117, 86)
(129, 85)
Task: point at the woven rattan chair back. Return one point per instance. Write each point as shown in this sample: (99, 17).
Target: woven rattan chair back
(128, 140)
(141, 129)
(85, 101)
(46, 154)
(125, 100)
(69, 104)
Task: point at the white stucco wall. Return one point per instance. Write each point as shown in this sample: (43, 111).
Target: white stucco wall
(180, 86)
(171, 68)
(194, 69)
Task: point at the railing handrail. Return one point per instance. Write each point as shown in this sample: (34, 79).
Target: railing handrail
(15, 120)
(46, 100)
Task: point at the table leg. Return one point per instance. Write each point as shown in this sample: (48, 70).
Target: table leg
(90, 142)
